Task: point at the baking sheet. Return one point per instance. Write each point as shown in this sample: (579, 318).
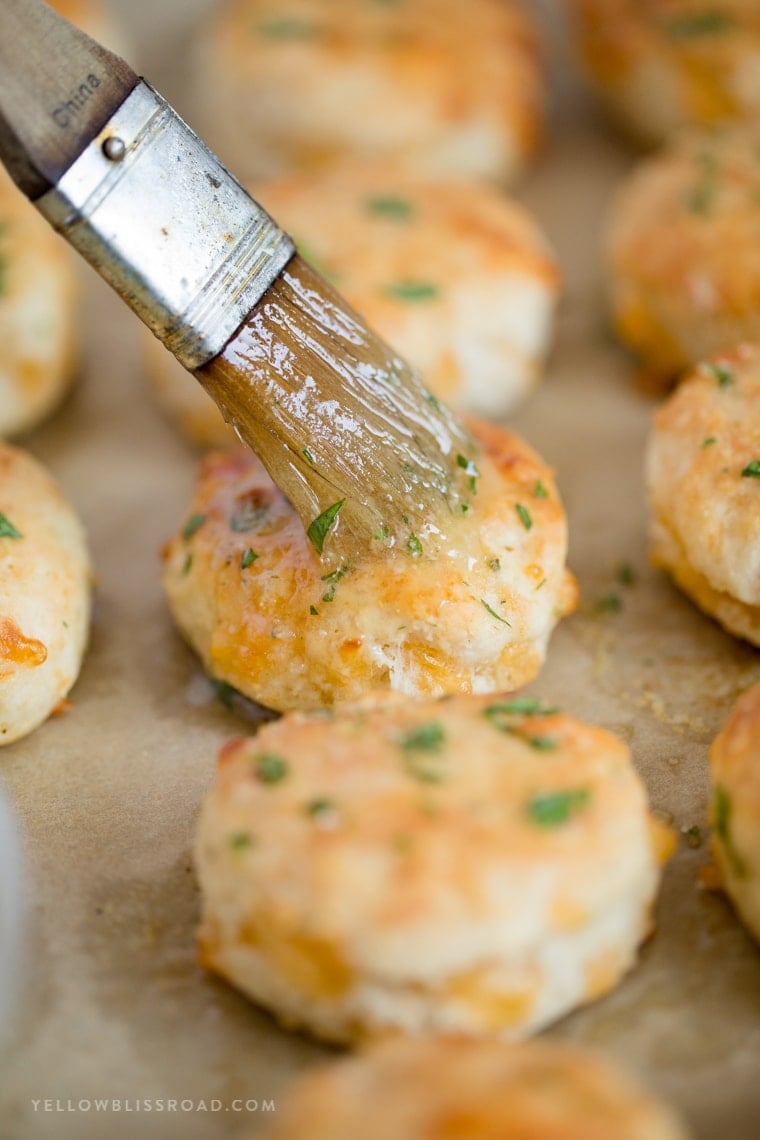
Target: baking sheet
(115, 1006)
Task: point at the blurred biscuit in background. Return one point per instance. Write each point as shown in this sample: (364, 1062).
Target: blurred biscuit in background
(661, 65)
(680, 248)
(439, 87)
(44, 594)
(38, 314)
(703, 483)
(456, 277)
(735, 806)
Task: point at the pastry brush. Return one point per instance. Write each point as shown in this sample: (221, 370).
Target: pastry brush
(344, 426)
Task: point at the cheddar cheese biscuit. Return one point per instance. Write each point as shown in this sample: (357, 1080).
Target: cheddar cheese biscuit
(44, 594)
(735, 806)
(439, 88)
(471, 610)
(703, 479)
(680, 249)
(411, 1089)
(661, 65)
(457, 278)
(476, 864)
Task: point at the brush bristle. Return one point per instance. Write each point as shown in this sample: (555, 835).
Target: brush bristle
(344, 426)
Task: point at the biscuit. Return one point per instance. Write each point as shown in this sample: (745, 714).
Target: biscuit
(37, 314)
(458, 279)
(440, 88)
(423, 1089)
(659, 67)
(469, 611)
(680, 246)
(44, 594)
(472, 864)
(703, 481)
(735, 807)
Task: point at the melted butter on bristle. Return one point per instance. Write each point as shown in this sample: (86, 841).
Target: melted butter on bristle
(333, 413)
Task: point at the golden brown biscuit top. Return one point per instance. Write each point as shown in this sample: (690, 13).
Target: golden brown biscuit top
(395, 244)
(452, 1088)
(704, 470)
(687, 221)
(734, 756)
(406, 811)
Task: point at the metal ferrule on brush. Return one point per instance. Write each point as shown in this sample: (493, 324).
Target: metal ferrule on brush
(165, 223)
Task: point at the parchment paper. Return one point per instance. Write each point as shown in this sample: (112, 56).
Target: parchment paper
(106, 796)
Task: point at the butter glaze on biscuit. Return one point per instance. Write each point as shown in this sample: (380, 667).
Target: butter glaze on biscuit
(471, 610)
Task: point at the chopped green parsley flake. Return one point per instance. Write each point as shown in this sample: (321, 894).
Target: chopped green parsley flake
(194, 523)
(412, 290)
(381, 534)
(287, 28)
(502, 714)
(708, 441)
(240, 841)
(7, 529)
(540, 743)
(421, 746)
(494, 564)
(524, 515)
(335, 575)
(425, 738)
(390, 206)
(625, 574)
(694, 25)
(700, 198)
(518, 706)
(470, 469)
(433, 401)
(314, 611)
(188, 563)
(693, 836)
(551, 809)
(318, 528)
(414, 546)
(308, 456)
(723, 375)
(752, 470)
(270, 768)
(608, 604)
(493, 612)
(722, 811)
(540, 491)
(248, 558)
(225, 693)
(250, 515)
(320, 808)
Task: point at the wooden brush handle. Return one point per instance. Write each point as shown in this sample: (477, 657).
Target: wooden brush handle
(58, 88)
